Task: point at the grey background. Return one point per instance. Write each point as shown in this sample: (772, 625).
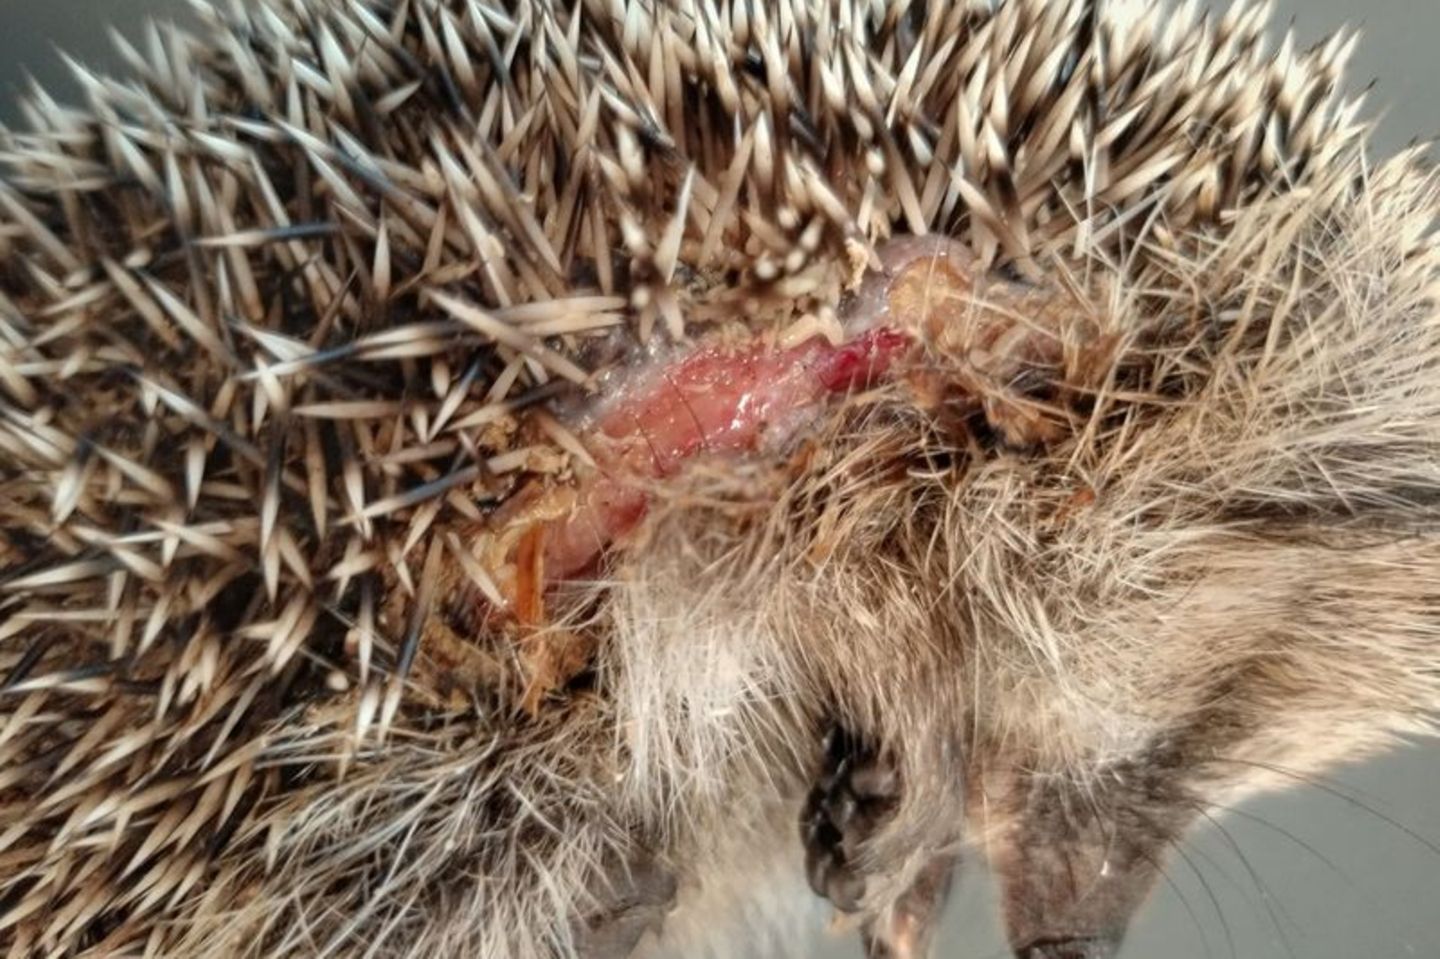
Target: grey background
(1348, 868)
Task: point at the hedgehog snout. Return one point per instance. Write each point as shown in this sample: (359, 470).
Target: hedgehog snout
(1076, 858)
(1086, 948)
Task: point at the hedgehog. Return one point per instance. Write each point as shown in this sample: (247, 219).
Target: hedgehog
(517, 479)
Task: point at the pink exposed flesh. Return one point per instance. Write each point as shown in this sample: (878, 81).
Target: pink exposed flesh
(727, 400)
(717, 400)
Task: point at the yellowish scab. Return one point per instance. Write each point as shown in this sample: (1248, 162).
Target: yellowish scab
(1022, 353)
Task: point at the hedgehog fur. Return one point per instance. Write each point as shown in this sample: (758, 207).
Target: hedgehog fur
(292, 308)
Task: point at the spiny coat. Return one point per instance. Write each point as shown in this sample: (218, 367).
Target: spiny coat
(290, 308)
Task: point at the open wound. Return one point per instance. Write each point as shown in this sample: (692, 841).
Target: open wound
(919, 319)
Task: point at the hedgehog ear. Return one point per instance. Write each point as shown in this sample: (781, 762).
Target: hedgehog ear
(1077, 867)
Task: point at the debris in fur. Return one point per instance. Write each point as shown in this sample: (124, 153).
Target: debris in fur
(306, 324)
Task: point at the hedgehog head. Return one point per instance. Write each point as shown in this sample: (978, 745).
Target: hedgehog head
(452, 445)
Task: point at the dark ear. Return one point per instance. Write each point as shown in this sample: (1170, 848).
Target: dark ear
(632, 899)
(1080, 861)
